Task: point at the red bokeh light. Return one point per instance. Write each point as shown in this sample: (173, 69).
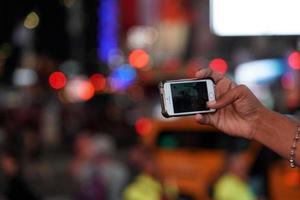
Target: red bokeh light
(98, 81)
(219, 65)
(143, 126)
(138, 58)
(85, 90)
(57, 80)
(294, 60)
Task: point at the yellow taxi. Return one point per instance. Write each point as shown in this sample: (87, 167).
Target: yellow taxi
(284, 182)
(189, 155)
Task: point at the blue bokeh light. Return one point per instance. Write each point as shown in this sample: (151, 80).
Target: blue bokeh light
(107, 28)
(264, 71)
(122, 77)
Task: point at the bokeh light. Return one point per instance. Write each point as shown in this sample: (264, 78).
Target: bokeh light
(108, 27)
(24, 77)
(138, 58)
(79, 89)
(32, 20)
(264, 71)
(143, 126)
(141, 37)
(219, 65)
(85, 90)
(57, 80)
(294, 60)
(98, 81)
(122, 77)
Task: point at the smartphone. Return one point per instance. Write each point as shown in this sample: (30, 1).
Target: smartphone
(186, 97)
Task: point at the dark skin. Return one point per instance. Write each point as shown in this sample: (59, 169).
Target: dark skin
(240, 113)
(237, 106)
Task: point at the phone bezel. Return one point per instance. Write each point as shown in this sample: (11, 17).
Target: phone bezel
(168, 101)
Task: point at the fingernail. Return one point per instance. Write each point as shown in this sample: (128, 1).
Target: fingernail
(198, 117)
(210, 103)
(198, 74)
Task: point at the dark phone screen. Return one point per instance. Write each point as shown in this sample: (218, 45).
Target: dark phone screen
(189, 97)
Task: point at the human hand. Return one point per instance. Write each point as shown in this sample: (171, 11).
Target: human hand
(238, 110)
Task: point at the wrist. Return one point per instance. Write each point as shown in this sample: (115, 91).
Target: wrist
(258, 124)
(275, 131)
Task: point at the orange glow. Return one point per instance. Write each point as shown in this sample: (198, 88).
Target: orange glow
(292, 178)
(98, 81)
(138, 58)
(219, 65)
(143, 126)
(85, 90)
(294, 60)
(57, 80)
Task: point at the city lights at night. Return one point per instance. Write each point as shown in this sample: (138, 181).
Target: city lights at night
(138, 58)
(111, 100)
(219, 65)
(57, 80)
(294, 60)
(143, 126)
(32, 20)
(98, 81)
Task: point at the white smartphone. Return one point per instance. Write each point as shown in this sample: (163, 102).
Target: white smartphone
(186, 97)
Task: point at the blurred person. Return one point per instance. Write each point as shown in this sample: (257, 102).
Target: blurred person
(147, 184)
(240, 113)
(233, 184)
(90, 183)
(17, 188)
(114, 172)
(100, 174)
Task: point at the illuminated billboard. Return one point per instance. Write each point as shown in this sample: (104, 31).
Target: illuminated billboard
(255, 17)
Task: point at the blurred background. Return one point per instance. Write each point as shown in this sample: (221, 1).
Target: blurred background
(80, 112)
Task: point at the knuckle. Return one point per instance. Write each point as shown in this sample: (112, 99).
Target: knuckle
(206, 119)
(243, 88)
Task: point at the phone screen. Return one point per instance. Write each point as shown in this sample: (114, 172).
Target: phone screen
(189, 97)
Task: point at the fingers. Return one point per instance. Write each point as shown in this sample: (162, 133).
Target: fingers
(203, 119)
(207, 72)
(228, 98)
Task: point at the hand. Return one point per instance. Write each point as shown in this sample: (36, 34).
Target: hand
(238, 110)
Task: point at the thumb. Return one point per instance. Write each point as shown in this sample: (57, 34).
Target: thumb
(204, 119)
(228, 98)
